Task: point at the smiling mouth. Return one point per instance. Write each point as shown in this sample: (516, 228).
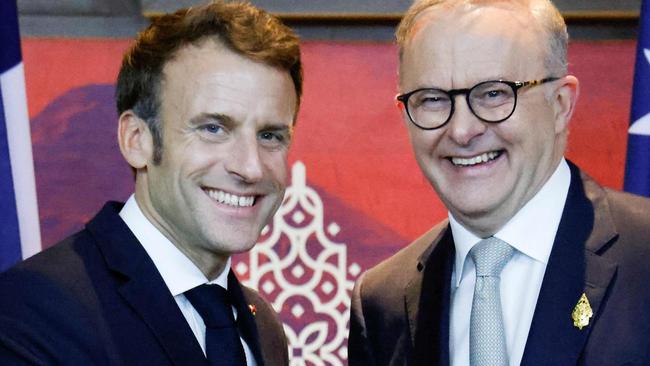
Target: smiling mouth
(475, 160)
(230, 199)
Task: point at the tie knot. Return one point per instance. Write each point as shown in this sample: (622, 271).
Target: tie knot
(490, 255)
(214, 305)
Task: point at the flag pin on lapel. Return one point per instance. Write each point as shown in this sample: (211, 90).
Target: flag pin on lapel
(253, 309)
(582, 312)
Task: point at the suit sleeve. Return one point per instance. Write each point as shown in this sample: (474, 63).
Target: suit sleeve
(14, 355)
(359, 353)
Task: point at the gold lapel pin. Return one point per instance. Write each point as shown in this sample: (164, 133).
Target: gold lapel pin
(253, 309)
(582, 312)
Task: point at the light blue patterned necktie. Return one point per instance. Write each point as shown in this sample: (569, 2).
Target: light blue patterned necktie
(487, 340)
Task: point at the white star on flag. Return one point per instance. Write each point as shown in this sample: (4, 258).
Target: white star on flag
(642, 125)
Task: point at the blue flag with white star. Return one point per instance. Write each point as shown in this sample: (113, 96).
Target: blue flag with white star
(637, 169)
(19, 226)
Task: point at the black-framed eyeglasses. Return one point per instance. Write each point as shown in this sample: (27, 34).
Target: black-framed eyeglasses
(490, 101)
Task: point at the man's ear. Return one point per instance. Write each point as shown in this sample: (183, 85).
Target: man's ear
(136, 142)
(564, 101)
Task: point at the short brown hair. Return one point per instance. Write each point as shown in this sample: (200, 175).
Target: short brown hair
(243, 28)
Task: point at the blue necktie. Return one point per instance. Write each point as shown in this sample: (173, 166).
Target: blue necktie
(222, 344)
(487, 340)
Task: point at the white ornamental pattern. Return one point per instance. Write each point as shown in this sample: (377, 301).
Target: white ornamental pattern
(305, 274)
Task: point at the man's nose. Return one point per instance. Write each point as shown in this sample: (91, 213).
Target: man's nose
(464, 125)
(245, 161)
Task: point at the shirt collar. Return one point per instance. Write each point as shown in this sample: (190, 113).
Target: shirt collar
(531, 231)
(178, 271)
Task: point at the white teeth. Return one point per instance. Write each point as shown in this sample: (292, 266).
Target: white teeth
(231, 199)
(483, 158)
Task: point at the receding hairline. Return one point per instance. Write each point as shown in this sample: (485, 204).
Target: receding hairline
(218, 44)
(545, 15)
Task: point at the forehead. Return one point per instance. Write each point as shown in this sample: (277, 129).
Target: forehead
(455, 45)
(210, 78)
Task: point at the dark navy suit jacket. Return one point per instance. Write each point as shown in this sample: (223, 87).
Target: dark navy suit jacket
(400, 308)
(97, 299)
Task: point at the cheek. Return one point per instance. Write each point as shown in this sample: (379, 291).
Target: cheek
(424, 143)
(539, 132)
(527, 130)
(199, 156)
(528, 144)
(536, 120)
(276, 166)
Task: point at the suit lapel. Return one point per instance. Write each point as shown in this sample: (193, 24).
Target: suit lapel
(245, 319)
(427, 303)
(143, 288)
(574, 268)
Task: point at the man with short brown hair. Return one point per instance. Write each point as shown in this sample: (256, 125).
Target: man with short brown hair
(207, 98)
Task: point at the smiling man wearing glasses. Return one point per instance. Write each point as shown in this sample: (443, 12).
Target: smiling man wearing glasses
(537, 264)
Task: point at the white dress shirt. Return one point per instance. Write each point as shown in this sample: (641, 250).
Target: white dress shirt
(531, 232)
(179, 272)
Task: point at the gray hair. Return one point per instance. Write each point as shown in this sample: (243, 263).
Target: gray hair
(544, 11)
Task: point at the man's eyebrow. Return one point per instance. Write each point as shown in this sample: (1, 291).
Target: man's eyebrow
(276, 126)
(205, 117)
(229, 121)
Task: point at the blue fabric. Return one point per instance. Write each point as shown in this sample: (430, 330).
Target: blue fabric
(637, 170)
(9, 35)
(10, 252)
(222, 344)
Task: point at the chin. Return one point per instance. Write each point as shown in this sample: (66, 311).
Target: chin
(240, 246)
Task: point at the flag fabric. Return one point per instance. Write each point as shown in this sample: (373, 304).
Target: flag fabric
(637, 169)
(19, 226)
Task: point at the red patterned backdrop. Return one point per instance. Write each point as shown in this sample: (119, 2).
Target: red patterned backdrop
(357, 195)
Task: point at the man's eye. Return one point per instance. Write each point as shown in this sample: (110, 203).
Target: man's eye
(212, 132)
(495, 93)
(211, 128)
(275, 138)
(272, 136)
(431, 101)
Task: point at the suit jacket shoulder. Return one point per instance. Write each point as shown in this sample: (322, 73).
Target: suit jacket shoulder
(631, 216)
(621, 227)
(44, 305)
(397, 271)
(95, 298)
(385, 317)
